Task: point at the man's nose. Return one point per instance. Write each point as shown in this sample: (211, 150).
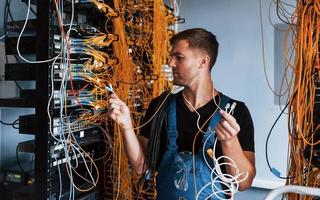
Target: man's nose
(171, 62)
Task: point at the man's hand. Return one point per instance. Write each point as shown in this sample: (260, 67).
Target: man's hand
(227, 129)
(119, 111)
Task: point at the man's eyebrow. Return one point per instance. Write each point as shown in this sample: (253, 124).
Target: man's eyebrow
(176, 54)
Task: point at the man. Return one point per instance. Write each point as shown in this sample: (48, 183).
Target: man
(181, 139)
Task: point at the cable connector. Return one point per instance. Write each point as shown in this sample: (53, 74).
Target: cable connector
(227, 107)
(275, 172)
(109, 88)
(210, 153)
(233, 106)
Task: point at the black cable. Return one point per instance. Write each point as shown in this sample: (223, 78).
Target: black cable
(267, 141)
(33, 11)
(27, 173)
(16, 122)
(6, 14)
(8, 124)
(13, 124)
(269, 134)
(5, 123)
(280, 8)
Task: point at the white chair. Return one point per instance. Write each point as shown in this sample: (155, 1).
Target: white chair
(293, 189)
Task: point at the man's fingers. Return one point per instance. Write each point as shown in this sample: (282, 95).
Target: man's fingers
(219, 132)
(113, 113)
(226, 127)
(224, 130)
(116, 100)
(113, 95)
(114, 106)
(227, 116)
(230, 119)
(116, 112)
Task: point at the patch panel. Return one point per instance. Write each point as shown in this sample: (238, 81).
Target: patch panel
(59, 128)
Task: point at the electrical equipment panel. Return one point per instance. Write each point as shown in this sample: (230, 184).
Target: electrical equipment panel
(84, 50)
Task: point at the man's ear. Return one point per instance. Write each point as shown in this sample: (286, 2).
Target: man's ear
(205, 60)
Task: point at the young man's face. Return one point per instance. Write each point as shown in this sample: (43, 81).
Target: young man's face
(185, 63)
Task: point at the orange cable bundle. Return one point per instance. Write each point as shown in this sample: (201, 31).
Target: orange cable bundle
(160, 45)
(303, 131)
(141, 49)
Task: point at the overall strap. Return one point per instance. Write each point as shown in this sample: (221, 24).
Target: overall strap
(214, 121)
(172, 131)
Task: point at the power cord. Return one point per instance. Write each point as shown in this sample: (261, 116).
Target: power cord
(13, 124)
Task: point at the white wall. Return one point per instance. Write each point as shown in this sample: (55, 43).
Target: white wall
(239, 72)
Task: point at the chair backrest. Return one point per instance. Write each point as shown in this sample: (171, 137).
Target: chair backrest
(293, 189)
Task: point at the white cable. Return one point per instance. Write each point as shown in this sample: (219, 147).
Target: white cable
(194, 109)
(76, 146)
(19, 38)
(67, 158)
(60, 181)
(224, 192)
(204, 187)
(62, 100)
(50, 99)
(65, 123)
(229, 181)
(215, 189)
(231, 163)
(73, 151)
(232, 180)
(94, 182)
(3, 36)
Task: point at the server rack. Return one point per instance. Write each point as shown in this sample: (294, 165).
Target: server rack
(42, 45)
(47, 122)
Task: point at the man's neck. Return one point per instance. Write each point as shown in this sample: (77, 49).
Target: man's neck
(199, 95)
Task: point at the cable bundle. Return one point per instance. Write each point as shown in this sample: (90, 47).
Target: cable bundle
(141, 49)
(303, 128)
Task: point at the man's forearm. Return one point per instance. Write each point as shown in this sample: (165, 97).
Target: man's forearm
(134, 150)
(244, 162)
(120, 113)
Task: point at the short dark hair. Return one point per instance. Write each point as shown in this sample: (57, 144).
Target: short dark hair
(201, 39)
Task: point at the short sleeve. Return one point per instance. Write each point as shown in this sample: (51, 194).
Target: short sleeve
(152, 109)
(246, 133)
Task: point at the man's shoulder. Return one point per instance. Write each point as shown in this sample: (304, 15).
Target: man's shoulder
(237, 101)
(241, 109)
(162, 98)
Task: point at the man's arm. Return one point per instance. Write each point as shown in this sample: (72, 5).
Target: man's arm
(227, 131)
(133, 146)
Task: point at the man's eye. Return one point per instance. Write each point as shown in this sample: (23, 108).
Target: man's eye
(179, 57)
